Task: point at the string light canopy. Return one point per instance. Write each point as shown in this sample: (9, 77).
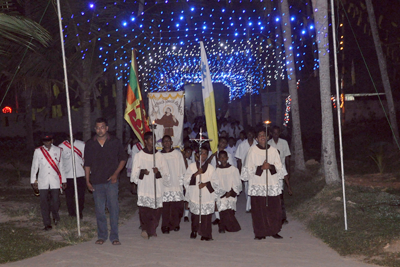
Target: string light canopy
(242, 39)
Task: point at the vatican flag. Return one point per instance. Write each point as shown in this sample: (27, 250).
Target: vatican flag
(209, 101)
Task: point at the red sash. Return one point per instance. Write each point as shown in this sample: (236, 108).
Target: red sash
(139, 146)
(52, 163)
(77, 151)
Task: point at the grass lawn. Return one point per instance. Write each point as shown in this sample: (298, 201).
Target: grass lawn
(373, 217)
(21, 222)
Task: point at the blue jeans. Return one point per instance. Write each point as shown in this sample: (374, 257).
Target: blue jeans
(106, 195)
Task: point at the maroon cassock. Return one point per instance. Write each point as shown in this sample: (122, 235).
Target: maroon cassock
(228, 221)
(172, 213)
(267, 220)
(203, 228)
(149, 219)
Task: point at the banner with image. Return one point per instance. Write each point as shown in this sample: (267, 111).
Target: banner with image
(166, 110)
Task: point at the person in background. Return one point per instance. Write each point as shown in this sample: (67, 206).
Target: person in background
(284, 153)
(133, 147)
(231, 148)
(79, 151)
(48, 161)
(242, 137)
(241, 154)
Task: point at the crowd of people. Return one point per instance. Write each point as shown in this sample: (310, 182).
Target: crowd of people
(173, 183)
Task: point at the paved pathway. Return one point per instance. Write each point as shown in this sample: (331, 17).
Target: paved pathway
(297, 249)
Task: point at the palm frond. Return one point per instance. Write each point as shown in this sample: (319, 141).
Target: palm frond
(21, 31)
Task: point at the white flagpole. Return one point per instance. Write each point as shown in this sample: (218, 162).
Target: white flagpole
(69, 118)
(338, 111)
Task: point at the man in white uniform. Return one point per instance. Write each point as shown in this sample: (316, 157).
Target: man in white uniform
(241, 153)
(79, 148)
(284, 153)
(48, 161)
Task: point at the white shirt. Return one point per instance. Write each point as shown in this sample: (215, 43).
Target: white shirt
(231, 150)
(176, 165)
(47, 178)
(243, 148)
(145, 191)
(282, 147)
(132, 151)
(67, 159)
(257, 184)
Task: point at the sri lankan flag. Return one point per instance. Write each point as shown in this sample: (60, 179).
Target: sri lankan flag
(135, 114)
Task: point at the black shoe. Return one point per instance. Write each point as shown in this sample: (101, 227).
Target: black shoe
(47, 228)
(215, 222)
(277, 236)
(186, 219)
(55, 221)
(140, 227)
(221, 231)
(248, 211)
(176, 229)
(165, 230)
(193, 235)
(259, 237)
(206, 238)
(285, 221)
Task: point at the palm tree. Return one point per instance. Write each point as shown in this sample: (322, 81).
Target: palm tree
(291, 75)
(328, 156)
(383, 69)
(18, 30)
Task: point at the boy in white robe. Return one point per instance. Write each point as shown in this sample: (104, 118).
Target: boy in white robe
(144, 174)
(229, 186)
(198, 178)
(266, 209)
(173, 194)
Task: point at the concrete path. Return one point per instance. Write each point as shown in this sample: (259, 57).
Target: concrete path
(297, 249)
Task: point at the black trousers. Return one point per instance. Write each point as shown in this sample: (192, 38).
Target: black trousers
(70, 195)
(49, 202)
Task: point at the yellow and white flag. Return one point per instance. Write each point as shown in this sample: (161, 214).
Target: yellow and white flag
(209, 101)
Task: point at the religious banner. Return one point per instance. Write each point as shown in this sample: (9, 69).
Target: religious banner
(166, 111)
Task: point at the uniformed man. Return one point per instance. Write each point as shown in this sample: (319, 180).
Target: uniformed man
(47, 159)
(79, 149)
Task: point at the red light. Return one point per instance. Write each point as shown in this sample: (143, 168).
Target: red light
(7, 110)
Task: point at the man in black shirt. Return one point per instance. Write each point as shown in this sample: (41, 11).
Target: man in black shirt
(104, 159)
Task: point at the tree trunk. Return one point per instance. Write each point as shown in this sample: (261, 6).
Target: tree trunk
(28, 117)
(328, 156)
(291, 76)
(119, 108)
(279, 77)
(86, 127)
(383, 69)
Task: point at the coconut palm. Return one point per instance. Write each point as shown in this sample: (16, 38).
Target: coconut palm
(384, 73)
(330, 169)
(291, 74)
